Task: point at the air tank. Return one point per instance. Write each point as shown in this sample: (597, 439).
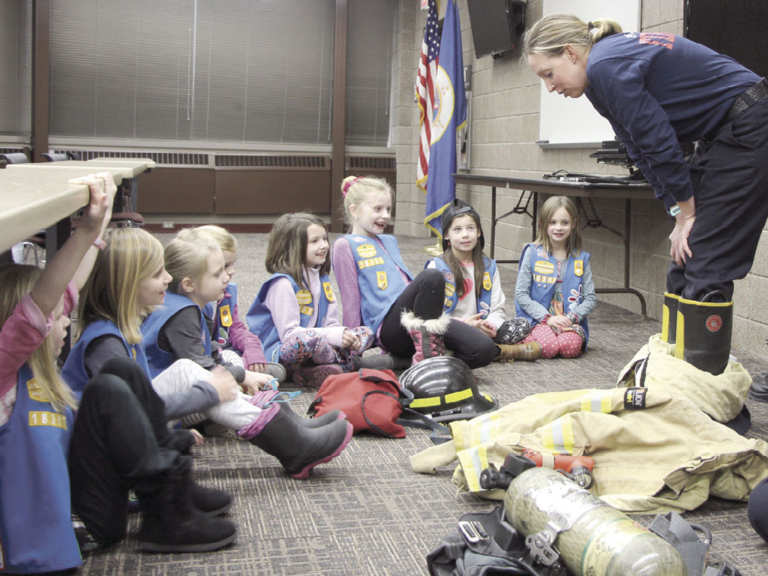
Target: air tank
(597, 540)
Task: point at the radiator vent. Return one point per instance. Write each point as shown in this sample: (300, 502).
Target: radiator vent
(292, 162)
(161, 158)
(370, 163)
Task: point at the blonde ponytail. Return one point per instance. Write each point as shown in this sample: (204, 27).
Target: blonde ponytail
(550, 35)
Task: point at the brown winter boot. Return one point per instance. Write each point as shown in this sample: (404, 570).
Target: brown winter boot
(529, 351)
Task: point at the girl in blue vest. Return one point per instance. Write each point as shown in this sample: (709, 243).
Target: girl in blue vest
(128, 281)
(555, 291)
(473, 294)
(376, 287)
(295, 314)
(238, 344)
(52, 465)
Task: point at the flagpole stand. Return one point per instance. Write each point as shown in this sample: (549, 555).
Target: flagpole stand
(435, 250)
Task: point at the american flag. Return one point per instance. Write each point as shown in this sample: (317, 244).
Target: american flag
(425, 90)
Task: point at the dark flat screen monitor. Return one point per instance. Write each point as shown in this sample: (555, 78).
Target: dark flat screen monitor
(495, 24)
(732, 27)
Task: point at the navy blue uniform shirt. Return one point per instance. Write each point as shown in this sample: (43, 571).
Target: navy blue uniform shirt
(658, 90)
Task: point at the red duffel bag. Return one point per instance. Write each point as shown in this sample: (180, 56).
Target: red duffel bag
(371, 399)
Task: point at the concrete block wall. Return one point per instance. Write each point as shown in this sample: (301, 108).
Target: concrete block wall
(504, 129)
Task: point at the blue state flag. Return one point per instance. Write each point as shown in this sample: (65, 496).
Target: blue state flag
(449, 117)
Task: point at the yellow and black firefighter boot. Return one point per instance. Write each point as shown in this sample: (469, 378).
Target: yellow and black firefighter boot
(669, 318)
(529, 351)
(703, 336)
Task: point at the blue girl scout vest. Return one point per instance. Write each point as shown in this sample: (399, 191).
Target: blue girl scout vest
(260, 320)
(450, 284)
(159, 359)
(544, 277)
(378, 276)
(222, 316)
(74, 368)
(36, 533)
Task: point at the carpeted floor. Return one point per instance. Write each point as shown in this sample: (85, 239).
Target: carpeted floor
(366, 512)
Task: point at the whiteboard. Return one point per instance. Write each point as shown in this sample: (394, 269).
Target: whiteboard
(567, 122)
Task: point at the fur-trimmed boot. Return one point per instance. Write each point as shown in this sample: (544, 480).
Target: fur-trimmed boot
(170, 522)
(297, 447)
(427, 335)
(528, 351)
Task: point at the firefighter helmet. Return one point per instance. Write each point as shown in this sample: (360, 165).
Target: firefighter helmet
(445, 389)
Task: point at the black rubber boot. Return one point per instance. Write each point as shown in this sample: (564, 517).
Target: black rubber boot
(170, 522)
(320, 421)
(669, 318)
(298, 448)
(382, 362)
(703, 333)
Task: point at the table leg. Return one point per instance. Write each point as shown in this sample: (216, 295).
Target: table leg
(625, 239)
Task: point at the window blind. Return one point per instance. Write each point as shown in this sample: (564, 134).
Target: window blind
(370, 48)
(193, 70)
(16, 68)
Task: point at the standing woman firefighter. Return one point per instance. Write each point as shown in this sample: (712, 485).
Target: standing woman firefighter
(659, 90)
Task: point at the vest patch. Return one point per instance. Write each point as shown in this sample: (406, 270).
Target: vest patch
(226, 316)
(306, 310)
(634, 398)
(487, 284)
(370, 262)
(36, 391)
(304, 297)
(539, 279)
(578, 267)
(449, 289)
(544, 267)
(328, 291)
(44, 418)
(366, 250)
(381, 280)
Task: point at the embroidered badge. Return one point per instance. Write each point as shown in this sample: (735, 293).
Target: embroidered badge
(362, 264)
(544, 267)
(366, 250)
(578, 267)
(36, 392)
(304, 297)
(634, 398)
(487, 284)
(226, 316)
(48, 419)
(381, 280)
(328, 291)
(449, 290)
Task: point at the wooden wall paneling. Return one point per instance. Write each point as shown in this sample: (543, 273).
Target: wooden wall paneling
(177, 191)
